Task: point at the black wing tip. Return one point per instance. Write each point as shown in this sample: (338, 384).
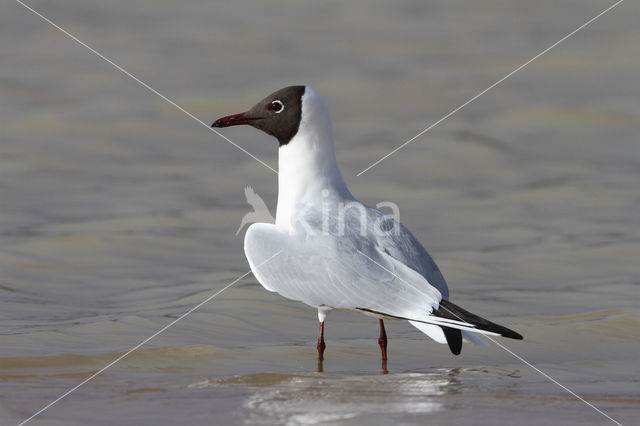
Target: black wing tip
(504, 331)
(448, 313)
(454, 339)
(452, 311)
(512, 335)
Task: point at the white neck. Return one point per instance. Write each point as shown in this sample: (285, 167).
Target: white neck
(307, 164)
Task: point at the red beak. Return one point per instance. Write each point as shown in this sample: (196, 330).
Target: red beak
(233, 120)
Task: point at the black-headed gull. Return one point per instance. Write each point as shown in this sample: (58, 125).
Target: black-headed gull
(335, 252)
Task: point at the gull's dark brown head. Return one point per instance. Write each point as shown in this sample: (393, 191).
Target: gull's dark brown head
(278, 114)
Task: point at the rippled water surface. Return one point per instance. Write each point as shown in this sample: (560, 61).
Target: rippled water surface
(118, 212)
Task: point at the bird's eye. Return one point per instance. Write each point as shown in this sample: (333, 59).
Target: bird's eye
(276, 106)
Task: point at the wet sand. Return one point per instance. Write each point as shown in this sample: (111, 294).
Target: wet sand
(118, 213)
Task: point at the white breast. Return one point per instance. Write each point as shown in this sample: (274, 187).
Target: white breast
(307, 164)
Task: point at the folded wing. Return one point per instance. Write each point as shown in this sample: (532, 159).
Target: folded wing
(343, 273)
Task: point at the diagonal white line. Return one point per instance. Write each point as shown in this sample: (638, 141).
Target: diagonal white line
(512, 353)
(143, 342)
(145, 85)
(492, 86)
(555, 381)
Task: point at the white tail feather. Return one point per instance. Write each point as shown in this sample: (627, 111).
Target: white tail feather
(433, 331)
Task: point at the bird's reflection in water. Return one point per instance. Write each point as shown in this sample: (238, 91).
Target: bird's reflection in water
(383, 366)
(334, 397)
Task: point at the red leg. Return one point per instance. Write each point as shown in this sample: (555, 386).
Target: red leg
(382, 340)
(321, 344)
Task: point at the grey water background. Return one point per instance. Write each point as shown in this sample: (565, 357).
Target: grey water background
(118, 212)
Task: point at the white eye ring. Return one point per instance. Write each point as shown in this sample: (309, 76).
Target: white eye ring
(276, 106)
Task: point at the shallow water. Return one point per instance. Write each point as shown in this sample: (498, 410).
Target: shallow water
(119, 213)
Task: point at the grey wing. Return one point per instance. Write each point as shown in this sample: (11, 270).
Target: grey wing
(400, 244)
(338, 272)
(395, 240)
